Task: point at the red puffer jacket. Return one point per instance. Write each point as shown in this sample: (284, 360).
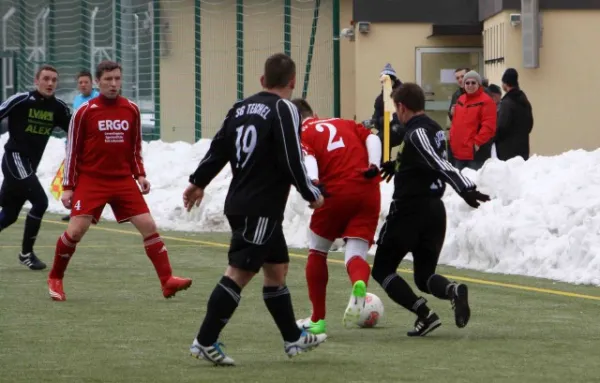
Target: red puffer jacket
(474, 123)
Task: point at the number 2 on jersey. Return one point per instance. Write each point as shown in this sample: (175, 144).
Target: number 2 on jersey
(245, 143)
(331, 145)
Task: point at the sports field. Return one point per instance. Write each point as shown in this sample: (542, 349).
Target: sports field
(116, 327)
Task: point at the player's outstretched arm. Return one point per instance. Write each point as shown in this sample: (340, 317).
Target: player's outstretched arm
(287, 135)
(421, 141)
(214, 160)
(11, 102)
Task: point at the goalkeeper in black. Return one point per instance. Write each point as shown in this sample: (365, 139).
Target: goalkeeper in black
(260, 140)
(32, 116)
(416, 221)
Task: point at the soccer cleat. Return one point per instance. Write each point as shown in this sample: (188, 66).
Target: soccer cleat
(307, 342)
(32, 261)
(318, 327)
(356, 304)
(175, 284)
(55, 289)
(213, 354)
(460, 305)
(424, 326)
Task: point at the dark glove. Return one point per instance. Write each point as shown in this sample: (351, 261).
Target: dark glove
(473, 197)
(371, 172)
(388, 169)
(321, 188)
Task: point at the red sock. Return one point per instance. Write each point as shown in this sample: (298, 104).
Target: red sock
(157, 252)
(65, 247)
(317, 276)
(358, 270)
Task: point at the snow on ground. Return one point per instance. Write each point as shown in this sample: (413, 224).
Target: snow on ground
(543, 220)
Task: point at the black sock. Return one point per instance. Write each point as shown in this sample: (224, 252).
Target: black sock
(279, 303)
(222, 303)
(441, 287)
(400, 292)
(32, 228)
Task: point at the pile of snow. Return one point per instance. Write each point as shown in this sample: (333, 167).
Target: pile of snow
(543, 220)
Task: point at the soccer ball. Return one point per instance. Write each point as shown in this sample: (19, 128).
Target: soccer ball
(372, 313)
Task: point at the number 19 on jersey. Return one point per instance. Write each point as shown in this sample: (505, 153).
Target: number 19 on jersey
(245, 143)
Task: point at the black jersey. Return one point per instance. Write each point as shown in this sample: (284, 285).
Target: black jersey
(260, 139)
(423, 169)
(31, 120)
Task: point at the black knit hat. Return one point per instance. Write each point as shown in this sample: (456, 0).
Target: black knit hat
(511, 77)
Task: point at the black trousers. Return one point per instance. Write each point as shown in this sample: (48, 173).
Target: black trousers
(417, 226)
(21, 184)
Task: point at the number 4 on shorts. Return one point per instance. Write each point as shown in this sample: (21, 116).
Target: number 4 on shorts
(77, 205)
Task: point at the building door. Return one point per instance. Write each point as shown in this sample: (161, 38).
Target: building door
(435, 73)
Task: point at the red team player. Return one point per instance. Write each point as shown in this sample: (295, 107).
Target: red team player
(344, 157)
(103, 163)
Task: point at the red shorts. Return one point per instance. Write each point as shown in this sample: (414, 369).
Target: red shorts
(353, 214)
(122, 194)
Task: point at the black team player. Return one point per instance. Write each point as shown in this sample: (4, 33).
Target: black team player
(32, 116)
(416, 221)
(260, 139)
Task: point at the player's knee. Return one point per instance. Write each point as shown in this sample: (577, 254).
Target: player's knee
(380, 273)
(39, 207)
(145, 224)
(78, 226)
(356, 247)
(422, 283)
(318, 243)
(8, 217)
(274, 274)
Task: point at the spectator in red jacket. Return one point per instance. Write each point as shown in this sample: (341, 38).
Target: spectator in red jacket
(473, 125)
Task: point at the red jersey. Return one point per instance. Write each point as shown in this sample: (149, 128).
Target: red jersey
(340, 149)
(105, 141)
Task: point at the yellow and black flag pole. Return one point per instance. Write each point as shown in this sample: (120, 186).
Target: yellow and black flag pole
(388, 111)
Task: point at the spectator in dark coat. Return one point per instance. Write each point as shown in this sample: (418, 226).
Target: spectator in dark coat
(459, 74)
(515, 120)
(396, 127)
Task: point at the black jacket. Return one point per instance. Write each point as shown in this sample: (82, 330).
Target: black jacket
(459, 92)
(423, 170)
(31, 121)
(515, 122)
(260, 139)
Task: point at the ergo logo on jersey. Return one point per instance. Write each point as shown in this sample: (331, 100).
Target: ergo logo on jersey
(104, 125)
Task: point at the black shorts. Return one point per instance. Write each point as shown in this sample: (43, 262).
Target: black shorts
(418, 227)
(20, 183)
(256, 241)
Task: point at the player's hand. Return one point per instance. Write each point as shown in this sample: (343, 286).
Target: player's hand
(192, 196)
(321, 188)
(66, 198)
(473, 197)
(144, 184)
(371, 172)
(388, 169)
(318, 203)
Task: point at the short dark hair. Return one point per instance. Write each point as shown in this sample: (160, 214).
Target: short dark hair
(106, 66)
(303, 107)
(461, 69)
(43, 68)
(84, 73)
(280, 69)
(410, 95)
(493, 88)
